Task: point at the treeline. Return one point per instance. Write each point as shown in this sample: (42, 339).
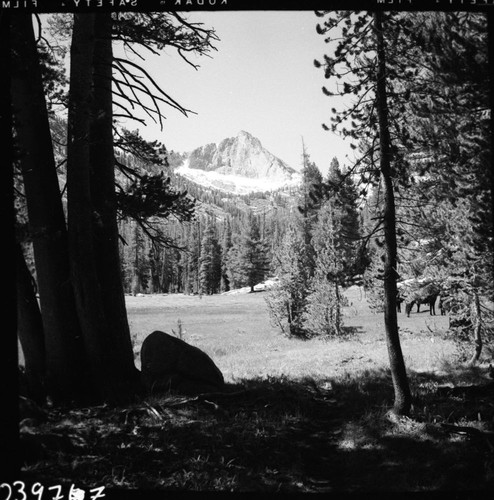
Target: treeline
(228, 244)
(204, 256)
(309, 240)
(321, 253)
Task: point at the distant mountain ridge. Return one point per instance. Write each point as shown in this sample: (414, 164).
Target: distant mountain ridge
(238, 165)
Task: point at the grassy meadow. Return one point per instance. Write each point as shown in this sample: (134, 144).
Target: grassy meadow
(235, 330)
(297, 416)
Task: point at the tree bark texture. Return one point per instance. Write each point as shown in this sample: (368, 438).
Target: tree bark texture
(476, 314)
(402, 394)
(118, 346)
(46, 217)
(338, 308)
(84, 275)
(9, 416)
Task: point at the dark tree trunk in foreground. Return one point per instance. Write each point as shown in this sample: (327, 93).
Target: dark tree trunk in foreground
(118, 347)
(30, 329)
(46, 217)
(402, 401)
(9, 421)
(81, 249)
(91, 216)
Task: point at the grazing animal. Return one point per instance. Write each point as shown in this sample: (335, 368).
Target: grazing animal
(428, 299)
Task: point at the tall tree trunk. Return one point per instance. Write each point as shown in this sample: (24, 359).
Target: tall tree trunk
(135, 282)
(46, 218)
(402, 394)
(89, 299)
(30, 329)
(9, 422)
(476, 314)
(165, 281)
(338, 308)
(118, 347)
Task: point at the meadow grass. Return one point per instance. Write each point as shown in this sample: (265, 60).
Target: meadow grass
(235, 330)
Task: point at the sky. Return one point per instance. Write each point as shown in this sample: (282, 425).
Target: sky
(261, 79)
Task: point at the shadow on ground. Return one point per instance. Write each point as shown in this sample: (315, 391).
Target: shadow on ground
(278, 435)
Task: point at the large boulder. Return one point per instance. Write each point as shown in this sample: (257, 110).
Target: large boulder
(168, 364)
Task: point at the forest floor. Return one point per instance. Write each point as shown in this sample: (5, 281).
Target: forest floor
(298, 416)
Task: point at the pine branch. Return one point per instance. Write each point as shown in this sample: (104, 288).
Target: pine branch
(171, 102)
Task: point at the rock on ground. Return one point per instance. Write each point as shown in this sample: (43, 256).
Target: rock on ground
(169, 364)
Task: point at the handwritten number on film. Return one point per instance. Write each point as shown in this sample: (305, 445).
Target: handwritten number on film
(18, 492)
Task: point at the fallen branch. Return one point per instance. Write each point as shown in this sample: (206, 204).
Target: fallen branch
(153, 411)
(208, 397)
(471, 432)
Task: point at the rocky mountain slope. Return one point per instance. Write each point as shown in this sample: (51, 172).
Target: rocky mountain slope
(238, 165)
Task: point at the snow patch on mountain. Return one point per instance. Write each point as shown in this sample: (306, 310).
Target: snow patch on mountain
(238, 165)
(232, 183)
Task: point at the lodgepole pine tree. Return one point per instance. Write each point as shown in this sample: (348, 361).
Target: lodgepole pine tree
(308, 207)
(30, 330)
(362, 50)
(9, 418)
(287, 299)
(250, 258)
(84, 277)
(226, 244)
(322, 314)
(191, 258)
(91, 214)
(209, 261)
(400, 381)
(64, 374)
(118, 347)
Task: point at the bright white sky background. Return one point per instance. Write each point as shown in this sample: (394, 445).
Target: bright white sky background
(261, 80)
